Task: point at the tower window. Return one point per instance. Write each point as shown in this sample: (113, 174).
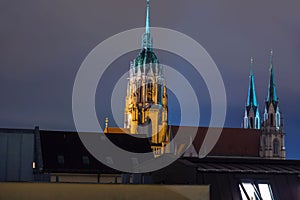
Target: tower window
(256, 123)
(149, 92)
(159, 93)
(140, 91)
(275, 147)
(251, 122)
(272, 120)
(265, 116)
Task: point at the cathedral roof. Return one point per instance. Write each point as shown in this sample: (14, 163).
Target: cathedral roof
(146, 56)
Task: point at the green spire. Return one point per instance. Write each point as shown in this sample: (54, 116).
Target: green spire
(147, 37)
(146, 55)
(272, 96)
(148, 17)
(251, 100)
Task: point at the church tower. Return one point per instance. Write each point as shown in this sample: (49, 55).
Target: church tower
(146, 106)
(251, 117)
(272, 138)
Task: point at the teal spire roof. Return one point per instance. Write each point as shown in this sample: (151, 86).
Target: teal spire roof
(251, 100)
(148, 17)
(272, 95)
(147, 41)
(146, 56)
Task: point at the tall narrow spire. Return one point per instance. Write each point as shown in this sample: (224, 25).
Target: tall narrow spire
(272, 95)
(148, 17)
(251, 118)
(147, 37)
(251, 100)
(272, 135)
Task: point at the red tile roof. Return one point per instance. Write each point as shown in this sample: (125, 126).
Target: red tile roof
(232, 141)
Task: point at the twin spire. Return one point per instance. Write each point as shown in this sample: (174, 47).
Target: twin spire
(272, 94)
(251, 118)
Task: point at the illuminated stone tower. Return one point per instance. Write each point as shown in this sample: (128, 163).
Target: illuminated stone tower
(146, 106)
(272, 138)
(251, 117)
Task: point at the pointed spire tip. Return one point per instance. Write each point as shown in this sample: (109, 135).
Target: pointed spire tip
(251, 66)
(147, 38)
(271, 59)
(271, 52)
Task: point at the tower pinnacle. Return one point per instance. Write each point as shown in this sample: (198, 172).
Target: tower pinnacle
(148, 17)
(271, 53)
(251, 101)
(272, 96)
(251, 66)
(147, 37)
(251, 118)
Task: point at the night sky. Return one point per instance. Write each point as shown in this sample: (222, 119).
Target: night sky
(43, 43)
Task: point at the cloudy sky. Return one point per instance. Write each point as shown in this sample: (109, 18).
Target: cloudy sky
(43, 44)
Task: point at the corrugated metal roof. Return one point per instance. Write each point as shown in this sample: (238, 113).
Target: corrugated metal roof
(242, 165)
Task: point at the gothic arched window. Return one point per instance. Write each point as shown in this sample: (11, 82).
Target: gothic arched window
(272, 119)
(275, 147)
(251, 122)
(140, 91)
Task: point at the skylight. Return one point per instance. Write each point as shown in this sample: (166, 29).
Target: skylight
(255, 191)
